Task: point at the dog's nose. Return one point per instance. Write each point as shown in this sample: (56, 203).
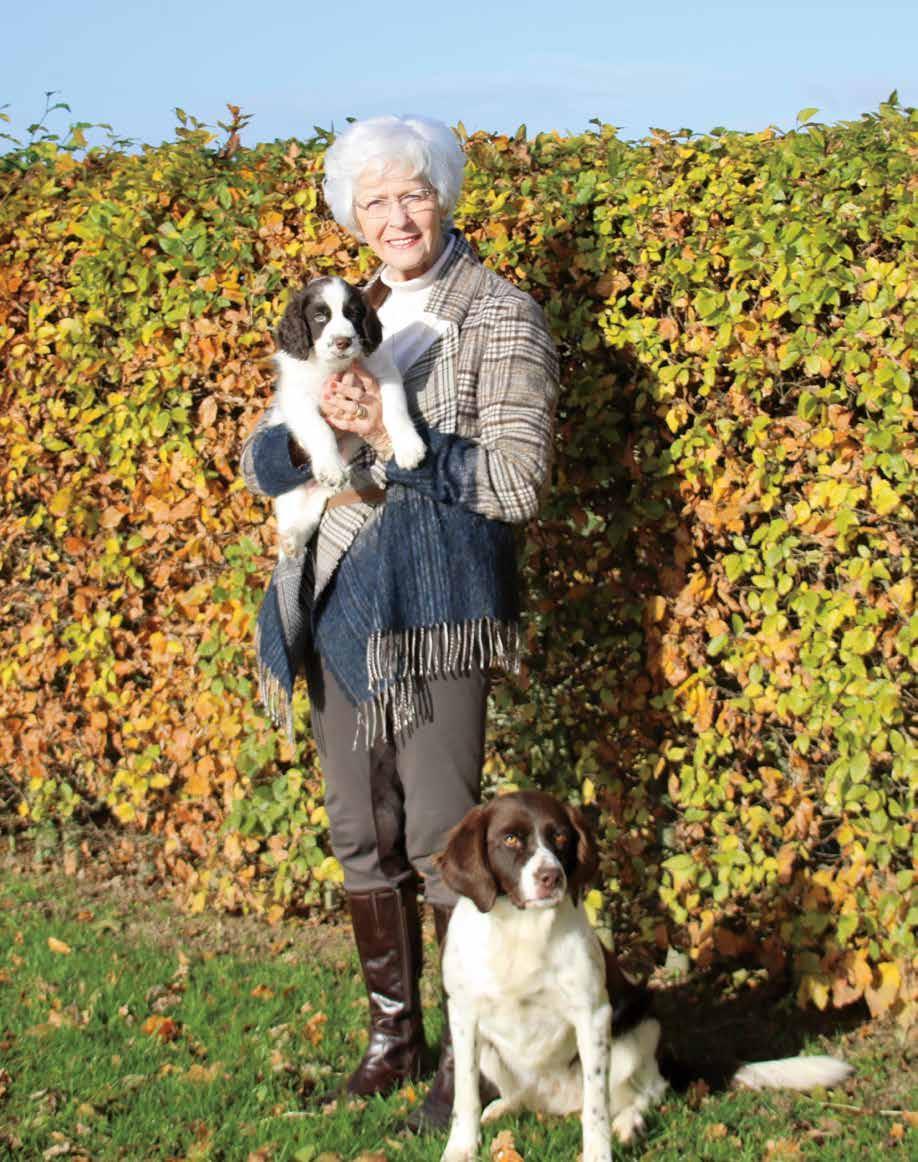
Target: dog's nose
(342, 342)
(548, 878)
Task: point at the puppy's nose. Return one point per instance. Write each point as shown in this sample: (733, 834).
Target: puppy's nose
(548, 878)
(342, 342)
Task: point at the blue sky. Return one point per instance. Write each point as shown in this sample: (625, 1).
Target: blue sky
(551, 64)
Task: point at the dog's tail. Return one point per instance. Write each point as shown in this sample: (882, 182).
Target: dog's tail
(793, 1073)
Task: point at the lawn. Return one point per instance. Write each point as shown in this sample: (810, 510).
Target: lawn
(129, 1030)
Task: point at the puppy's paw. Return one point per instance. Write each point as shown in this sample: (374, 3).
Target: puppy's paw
(291, 543)
(628, 1125)
(409, 449)
(331, 472)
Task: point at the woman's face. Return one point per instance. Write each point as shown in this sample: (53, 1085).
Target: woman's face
(408, 241)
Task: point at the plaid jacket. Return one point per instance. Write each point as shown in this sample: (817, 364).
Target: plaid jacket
(491, 379)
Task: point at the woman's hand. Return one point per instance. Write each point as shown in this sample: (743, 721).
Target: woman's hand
(351, 402)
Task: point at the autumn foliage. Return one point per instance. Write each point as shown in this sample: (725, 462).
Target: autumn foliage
(721, 631)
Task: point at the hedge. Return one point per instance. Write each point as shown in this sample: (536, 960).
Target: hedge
(721, 630)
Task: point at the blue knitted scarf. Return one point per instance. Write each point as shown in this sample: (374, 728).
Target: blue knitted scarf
(428, 589)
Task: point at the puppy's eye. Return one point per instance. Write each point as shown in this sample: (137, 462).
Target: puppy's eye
(561, 840)
(321, 316)
(513, 840)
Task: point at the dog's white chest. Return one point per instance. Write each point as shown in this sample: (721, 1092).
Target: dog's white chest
(528, 1029)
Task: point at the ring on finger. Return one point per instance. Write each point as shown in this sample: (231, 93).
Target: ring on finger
(361, 412)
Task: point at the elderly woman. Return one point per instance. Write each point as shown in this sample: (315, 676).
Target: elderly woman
(409, 592)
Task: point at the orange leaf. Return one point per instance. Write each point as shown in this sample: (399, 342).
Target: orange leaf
(162, 1027)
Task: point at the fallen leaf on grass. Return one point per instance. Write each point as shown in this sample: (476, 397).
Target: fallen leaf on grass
(262, 992)
(203, 1073)
(777, 1148)
(5, 1082)
(58, 946)
(715, 1131)
(314, 1028)
(162, 1027)
(56, 1151)
(503, 1148)
(697, 1092)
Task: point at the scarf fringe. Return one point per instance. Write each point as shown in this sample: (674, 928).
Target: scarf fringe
(400, 666)
(274, 698)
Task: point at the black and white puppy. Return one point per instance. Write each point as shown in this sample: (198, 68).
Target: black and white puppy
(326, 326)
(536, 1002)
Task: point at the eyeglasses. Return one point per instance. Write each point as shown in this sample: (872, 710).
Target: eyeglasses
(417, 202)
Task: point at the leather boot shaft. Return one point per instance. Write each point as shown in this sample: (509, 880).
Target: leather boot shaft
(387, 931)
(434, 1112)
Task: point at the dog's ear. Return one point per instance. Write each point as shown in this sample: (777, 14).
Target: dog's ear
(464, 863)
(370, 328)
(293, 334)
(587, 855)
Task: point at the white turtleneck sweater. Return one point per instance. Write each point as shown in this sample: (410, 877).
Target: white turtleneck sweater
(408, 328)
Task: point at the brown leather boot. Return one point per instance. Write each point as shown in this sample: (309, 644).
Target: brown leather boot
(387, 930)
(434, 1112)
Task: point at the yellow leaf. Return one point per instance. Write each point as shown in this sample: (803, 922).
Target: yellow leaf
(59, 504)
(592, 903)
(880, 999)
(883, 497)
(58, 946)
(655, 608)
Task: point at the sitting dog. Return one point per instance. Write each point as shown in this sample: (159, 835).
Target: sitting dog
(326, 326)
(534, 999)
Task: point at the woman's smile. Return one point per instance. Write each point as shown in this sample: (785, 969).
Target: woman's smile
(417, 241)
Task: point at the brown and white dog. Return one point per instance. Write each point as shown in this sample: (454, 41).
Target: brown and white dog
(326, 326)
(535, 1001)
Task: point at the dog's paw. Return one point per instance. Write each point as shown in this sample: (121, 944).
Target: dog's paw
(409, 449)
(330, 473)
(498, 1108)
(457, 1152)
(628, 1125)
(291, 544)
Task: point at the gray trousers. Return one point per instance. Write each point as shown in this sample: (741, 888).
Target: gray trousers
(390, 807)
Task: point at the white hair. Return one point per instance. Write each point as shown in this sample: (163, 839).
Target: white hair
(378, 144)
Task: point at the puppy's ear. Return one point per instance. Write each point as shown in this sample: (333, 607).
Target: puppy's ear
(587, 855)
(464, 863)
(293, 334)
(370, 328)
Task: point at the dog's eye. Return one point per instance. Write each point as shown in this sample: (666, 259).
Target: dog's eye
(561, 840)
(512, 840)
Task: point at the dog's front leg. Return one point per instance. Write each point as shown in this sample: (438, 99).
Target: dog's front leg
(407, 446)
(462, 1145)
(593, 1026)
(313, 433)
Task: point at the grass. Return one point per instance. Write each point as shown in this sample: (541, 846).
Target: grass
(129, 1031)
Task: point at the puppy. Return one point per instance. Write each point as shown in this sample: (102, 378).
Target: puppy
(326, 326)
(535, 1001)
